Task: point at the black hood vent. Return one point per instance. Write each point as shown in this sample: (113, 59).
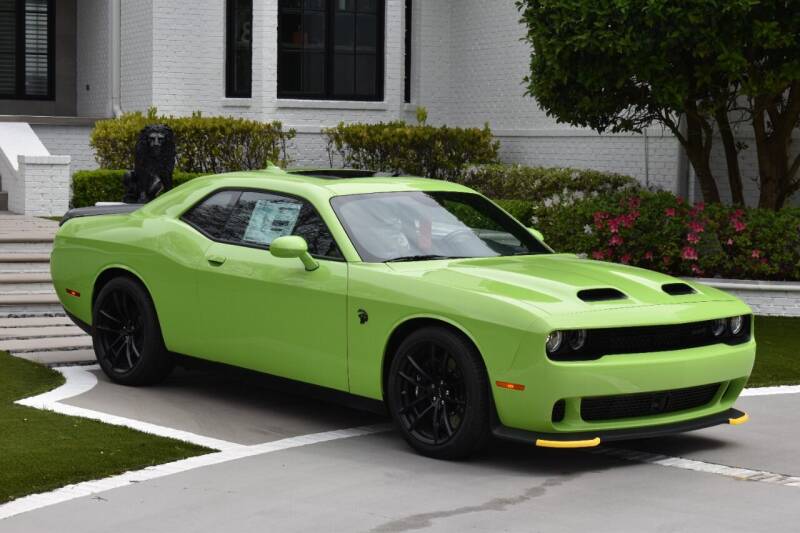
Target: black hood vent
(600, 295)
(677, 289)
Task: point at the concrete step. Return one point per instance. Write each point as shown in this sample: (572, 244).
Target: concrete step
(35, 321)
(40, 332)
(16, 268)
(17, 282)
(59, 357)
(46, 345)
(27, 247)
(23, 257)
(32, 236)
(32, 282)
(34, 287)
(29, 304)
(7, 278)
(28, 298)
(41, 290)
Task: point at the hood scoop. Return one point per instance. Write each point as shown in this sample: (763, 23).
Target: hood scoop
(677, 289)
(601, 295)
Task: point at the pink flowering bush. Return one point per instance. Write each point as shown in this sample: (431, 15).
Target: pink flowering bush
(659, 231)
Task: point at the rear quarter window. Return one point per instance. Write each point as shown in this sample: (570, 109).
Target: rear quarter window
(211, 215)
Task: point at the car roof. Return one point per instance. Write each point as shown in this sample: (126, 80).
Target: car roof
(327, 184)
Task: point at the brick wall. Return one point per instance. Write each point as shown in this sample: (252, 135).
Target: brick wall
(69, 140)
(94, 59)
(137, 55)
(42, 186)
(189, 68)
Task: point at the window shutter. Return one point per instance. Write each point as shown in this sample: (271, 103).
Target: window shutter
(37, 48)
(8, 41)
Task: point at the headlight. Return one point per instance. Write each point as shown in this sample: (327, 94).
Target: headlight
(736, 324)
(566, 341)
(718, 327)
(577, 339)
(554, 341)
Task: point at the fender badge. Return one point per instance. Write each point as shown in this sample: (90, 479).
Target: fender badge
(363, 317)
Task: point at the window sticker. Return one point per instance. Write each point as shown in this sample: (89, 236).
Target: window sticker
(272, 219)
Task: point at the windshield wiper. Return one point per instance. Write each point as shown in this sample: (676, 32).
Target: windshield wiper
(420, 258)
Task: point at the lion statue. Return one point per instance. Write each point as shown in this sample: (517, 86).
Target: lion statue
(153, 165)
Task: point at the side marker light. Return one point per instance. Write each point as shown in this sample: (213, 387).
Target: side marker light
(510, 386)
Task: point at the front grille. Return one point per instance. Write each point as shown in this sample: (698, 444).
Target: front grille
(647, 403)
(559, 409)
(644, 339)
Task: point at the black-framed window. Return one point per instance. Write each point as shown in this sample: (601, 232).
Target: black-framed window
(331, 49)
(408, 41)
(27, 49)
(239, 49)
(255, 218)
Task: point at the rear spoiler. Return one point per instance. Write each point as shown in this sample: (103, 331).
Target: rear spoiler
(100, 209)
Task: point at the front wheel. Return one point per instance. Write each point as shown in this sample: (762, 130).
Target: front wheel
(126, 335)
(438, 394)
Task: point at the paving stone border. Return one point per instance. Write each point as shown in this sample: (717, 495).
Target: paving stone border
(767, 298)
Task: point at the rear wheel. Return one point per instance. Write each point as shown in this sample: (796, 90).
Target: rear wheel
(438, 395)
(127, 336)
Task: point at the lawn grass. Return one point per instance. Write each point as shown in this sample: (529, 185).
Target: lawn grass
(41, 450)
(778, 353)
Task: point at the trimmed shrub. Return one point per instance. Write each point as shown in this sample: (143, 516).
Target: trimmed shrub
(658, 231)
(542, 185)
(209, 145)
(92, 186)
(522, 210)
(420, 150)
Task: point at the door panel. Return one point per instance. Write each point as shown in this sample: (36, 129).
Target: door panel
(271, 315)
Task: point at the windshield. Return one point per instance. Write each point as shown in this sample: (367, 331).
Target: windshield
(417, 226)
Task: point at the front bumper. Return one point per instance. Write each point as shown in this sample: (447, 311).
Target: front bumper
(594, 438)
(547, 382)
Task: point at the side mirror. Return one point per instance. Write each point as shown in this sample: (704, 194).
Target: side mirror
(536, 233)
(292, 246)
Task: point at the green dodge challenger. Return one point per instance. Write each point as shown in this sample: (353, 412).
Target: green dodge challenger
(418, 293)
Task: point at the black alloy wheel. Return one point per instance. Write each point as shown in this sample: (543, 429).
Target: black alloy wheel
(127, 336)
(438, 395)
(120, 331)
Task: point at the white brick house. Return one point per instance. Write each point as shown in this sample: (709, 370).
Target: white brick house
(308, 63)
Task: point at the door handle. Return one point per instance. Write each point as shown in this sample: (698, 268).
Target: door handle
(216, 259)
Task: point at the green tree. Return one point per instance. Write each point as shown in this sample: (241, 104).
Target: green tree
(688, 65)
(770, 80)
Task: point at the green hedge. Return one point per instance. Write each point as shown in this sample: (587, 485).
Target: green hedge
(658, 231)
(208, 145)
(92, 186)
(420, 150)
(542, 185)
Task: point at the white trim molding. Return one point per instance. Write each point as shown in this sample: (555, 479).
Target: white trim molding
(287, 103)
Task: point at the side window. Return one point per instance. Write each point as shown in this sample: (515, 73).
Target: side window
(211, 215)
(259, 218)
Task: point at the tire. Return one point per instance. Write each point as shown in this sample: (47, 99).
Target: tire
(127, 336)
(438, 394)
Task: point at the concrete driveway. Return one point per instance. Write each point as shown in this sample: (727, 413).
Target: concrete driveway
(719, 479)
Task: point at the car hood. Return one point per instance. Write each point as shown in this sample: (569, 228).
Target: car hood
(554, 282)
